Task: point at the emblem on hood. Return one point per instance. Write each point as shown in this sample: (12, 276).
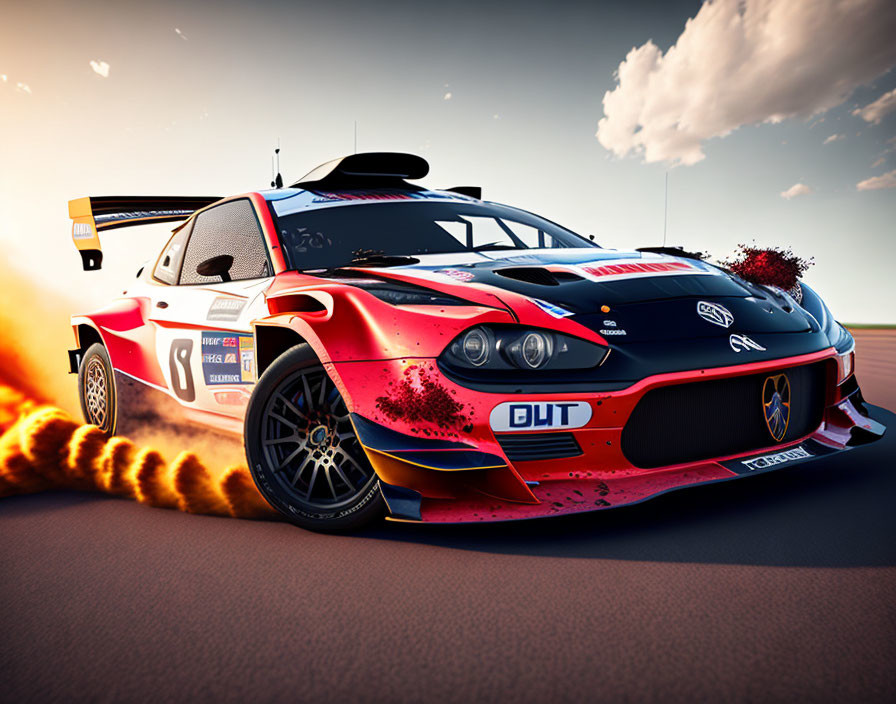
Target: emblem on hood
(715, 314)
(776, 405)
(551, 309)
(742, 343)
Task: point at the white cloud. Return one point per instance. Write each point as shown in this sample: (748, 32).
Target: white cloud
(447, 96)
(181, 34)
(834, 138)
(888, 180)
(879, 162)
(875, 112)
(23, 88)
(797, 189)
(744, 62)
(101, 68)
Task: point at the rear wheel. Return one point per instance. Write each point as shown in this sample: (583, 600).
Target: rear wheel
(302, 449)
(96, 389)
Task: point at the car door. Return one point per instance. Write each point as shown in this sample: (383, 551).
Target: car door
(203, 321)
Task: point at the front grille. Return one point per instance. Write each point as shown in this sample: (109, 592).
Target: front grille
(520, 447)
(707, 419)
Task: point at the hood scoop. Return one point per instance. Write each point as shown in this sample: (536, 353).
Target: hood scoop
(537, 275)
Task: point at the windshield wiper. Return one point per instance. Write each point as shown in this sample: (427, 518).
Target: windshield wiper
(373, 260)
(492, 246)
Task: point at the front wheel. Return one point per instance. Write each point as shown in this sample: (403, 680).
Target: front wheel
(302, 449)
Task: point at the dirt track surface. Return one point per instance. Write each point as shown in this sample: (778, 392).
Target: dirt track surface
(876, 366)
(778, 587)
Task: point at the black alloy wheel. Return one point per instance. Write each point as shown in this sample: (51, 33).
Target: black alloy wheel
(302, 449)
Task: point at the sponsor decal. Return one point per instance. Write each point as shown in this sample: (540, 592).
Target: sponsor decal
(742, 343)
(767, 461)
(226, 309)
(247, 359)
(715, 314)
(540, 415)
(612, 331)
(639, 268)
(228, 358)
(456, 274)
(82, 231)
(776, 405)
(358, 195)
(610, 323)
(141, 214)
(551, 309)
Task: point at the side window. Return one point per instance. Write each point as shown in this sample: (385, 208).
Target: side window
(530, 236)
(168, 266)
(487, 231)
(533, 237)
(233, 229)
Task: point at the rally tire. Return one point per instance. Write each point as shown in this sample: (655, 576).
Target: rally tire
(302, 450)
(97, 390)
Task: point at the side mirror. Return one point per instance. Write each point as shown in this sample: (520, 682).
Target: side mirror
(216, 266)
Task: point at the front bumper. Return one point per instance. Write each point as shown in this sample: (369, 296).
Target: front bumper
(439, 459)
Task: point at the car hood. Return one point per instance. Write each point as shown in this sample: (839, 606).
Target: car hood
(627, 297)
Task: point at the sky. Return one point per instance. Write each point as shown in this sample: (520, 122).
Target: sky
(774, 121)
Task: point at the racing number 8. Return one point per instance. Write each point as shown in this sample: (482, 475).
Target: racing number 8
(181, 374)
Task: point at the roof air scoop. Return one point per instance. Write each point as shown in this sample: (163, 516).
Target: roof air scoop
(366, 170)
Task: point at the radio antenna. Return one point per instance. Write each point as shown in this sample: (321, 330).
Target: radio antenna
(356, 136)
(277, 180)
(666, 209)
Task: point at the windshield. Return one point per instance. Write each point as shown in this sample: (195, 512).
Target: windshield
(331, 237)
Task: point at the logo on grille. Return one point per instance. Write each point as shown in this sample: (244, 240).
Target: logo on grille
(776, 405)
(767, 461)
(742, 343)
(715, 314)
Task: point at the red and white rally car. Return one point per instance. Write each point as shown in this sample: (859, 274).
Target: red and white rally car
(425, 354)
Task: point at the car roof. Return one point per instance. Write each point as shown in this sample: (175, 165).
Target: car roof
(287, 201)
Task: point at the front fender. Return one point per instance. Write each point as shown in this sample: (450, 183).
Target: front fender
(351, 325)
(813, 304)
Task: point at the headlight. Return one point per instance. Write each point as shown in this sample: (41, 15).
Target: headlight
(476, 347)
(846, 364)
(511, 347)
(534, 350)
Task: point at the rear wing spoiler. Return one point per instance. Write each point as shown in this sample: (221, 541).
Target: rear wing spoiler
(93, 214)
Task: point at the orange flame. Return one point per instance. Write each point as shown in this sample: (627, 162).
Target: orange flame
(43, 448)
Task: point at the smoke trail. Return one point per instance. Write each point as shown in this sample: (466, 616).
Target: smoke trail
(43, 448)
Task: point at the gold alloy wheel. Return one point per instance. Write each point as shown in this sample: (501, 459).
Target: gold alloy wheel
(96, 390)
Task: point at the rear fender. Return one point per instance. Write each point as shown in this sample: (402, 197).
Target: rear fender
(123, 330)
